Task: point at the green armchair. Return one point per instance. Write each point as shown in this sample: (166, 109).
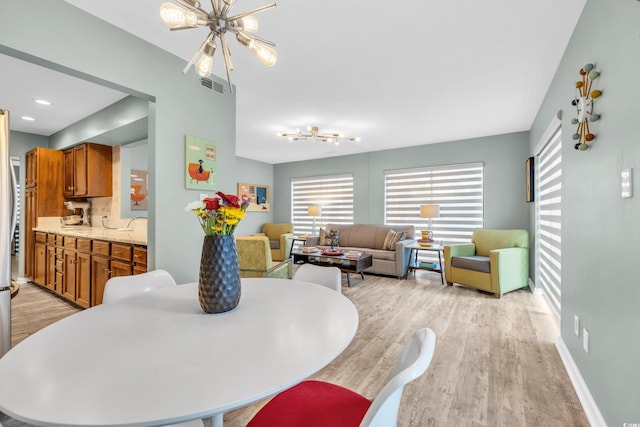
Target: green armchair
(280, 239)
(495, 261)
(254, 257)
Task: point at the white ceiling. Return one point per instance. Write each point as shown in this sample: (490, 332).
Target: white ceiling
(395, 74)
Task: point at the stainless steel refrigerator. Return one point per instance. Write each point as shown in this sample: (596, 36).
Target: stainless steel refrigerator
(8, 187)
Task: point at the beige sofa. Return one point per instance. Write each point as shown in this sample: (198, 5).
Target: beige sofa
(370, 239)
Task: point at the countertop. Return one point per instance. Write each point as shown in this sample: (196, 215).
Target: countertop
(129, 236)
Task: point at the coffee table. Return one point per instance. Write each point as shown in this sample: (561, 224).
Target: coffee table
(346, 264)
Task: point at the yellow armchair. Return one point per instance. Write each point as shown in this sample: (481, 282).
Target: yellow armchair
(495, 261)
(254, 257)
(280, 239)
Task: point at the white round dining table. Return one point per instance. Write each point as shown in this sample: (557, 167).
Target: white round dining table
(158, 359)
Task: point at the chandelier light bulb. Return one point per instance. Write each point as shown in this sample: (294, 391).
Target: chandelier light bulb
(177, 18)
(249, 23)
(204, 67)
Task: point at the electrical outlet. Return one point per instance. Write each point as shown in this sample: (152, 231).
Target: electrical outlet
(585, 340)
(576, 325)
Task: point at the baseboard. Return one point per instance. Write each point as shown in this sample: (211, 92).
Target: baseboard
(533, 289)
(588, 404)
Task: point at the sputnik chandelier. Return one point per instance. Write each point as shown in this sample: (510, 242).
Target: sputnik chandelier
(314, 133)
(191, 15)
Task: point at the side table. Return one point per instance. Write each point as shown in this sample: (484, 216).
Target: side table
(414, 264)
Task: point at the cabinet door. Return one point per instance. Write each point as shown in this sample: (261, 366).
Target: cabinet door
(69, 275)
(51, 268)
(30, 216)
(68, 185)
(80, 170)
(83, 279)
(40, 273)
(119, 268)
(31, 168)
(100, 273)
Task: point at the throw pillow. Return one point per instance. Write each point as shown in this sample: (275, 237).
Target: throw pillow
(326, 235)
(393, 238)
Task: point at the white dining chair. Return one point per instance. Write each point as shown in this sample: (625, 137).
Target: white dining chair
(121, 287)
(317, 403)
(331, 277)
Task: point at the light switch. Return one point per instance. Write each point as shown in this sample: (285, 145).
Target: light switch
(626, 179)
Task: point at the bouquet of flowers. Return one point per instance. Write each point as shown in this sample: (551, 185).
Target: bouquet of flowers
(219, 216)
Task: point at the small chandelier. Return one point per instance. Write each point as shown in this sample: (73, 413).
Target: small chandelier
(324, 137)
(219, 23)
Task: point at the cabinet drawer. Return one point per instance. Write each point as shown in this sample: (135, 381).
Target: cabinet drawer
(140, 255)
(41, 237)
(69, 242)
(51, 239)
(83, 245)
(59, 265)
(100, 248)
(122, 252)
(59, 240)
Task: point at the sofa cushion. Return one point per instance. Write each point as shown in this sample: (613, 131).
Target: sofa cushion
(392, 238)
(475, 263)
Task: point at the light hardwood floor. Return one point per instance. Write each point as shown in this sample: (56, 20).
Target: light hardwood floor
(495, 362)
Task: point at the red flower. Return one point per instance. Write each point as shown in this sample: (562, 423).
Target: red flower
(212, 204)
(229, 199)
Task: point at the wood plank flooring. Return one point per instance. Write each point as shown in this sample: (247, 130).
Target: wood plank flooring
(495, 362)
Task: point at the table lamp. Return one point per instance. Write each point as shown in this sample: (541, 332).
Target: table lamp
(314, 211)
(429, 211)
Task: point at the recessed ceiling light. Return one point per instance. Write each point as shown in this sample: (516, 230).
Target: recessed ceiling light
(41, 101)
(27, 118)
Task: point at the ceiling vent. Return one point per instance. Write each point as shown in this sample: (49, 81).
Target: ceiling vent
(210, 84)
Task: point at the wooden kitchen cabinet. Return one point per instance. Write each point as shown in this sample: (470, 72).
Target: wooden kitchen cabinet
(40, 269)
(43, 196)
(50, 281)
(100, 273)
(69, 275)
(88, 171)
(83, 272)
(139, 259)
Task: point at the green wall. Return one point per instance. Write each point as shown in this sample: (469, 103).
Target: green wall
(55, 34)
(503, 157)
(600, 233)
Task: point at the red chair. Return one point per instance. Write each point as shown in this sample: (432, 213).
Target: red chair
(321, 404)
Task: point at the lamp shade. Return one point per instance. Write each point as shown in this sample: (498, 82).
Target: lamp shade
(429, 211)
(314, 210)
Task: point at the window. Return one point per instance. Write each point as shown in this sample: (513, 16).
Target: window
(334, 194)
(548, 216)
(457, 189)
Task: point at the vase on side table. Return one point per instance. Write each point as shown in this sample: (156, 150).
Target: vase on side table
(219, 280)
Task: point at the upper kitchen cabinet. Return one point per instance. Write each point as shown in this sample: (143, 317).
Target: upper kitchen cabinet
(88, 171)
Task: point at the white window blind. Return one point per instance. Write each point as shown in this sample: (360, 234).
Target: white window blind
(334, 194)
(457, 189)
(548, 220)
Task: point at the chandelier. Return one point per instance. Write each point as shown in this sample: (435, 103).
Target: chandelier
(315, 134)
(191, 15)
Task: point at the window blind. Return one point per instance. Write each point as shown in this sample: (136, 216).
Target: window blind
(548, 220)
(457, 189)
(334, 194)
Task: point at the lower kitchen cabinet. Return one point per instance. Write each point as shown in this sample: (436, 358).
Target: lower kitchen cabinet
(78, 268)
(100, 273)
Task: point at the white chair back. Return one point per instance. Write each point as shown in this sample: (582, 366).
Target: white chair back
(121, 287)
(413, 362)
(331, 277)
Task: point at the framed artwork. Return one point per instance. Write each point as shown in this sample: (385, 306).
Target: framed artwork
(529, 179)
(139, 190)
(200, 164)
(258, 196)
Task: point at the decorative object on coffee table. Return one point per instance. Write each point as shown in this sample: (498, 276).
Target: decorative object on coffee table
(219, 278)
